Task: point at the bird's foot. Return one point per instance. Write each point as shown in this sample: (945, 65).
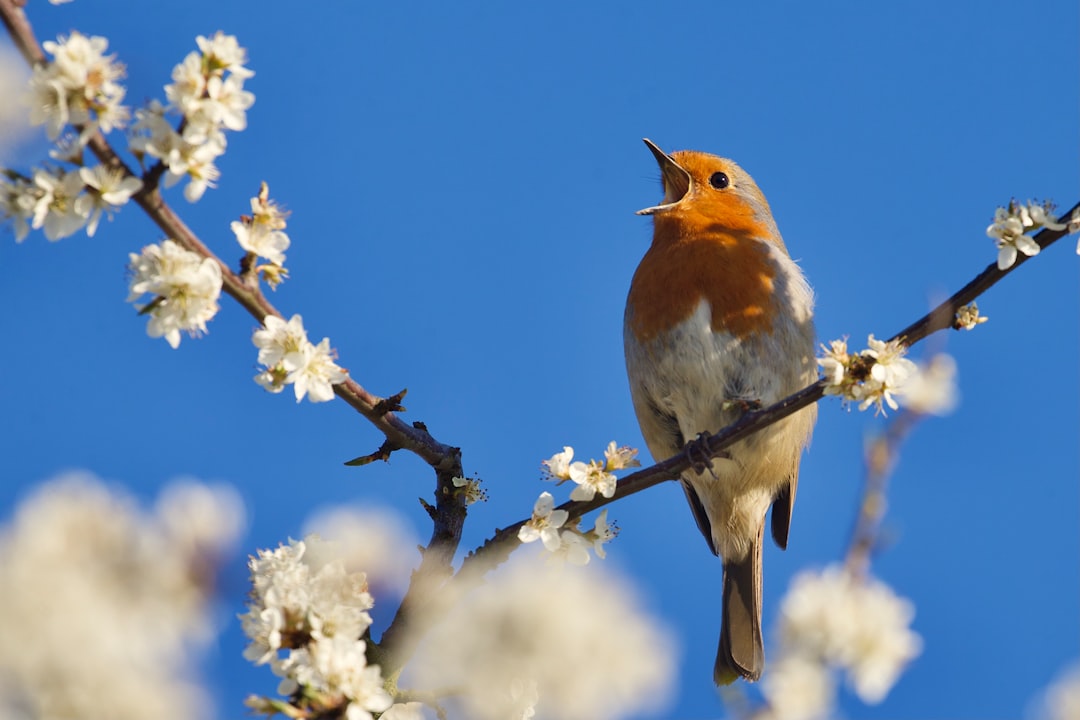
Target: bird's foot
(700, 454)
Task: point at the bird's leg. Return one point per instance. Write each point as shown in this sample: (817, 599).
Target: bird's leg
(700, 454)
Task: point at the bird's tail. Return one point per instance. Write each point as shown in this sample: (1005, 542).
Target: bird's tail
(741, 653)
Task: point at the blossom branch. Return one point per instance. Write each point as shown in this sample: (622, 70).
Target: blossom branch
(403, 435)
(942, 316)
(498, 548)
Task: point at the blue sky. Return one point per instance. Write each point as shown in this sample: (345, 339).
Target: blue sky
(463, 181)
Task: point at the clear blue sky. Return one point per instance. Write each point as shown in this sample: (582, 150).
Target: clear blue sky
(463, 180)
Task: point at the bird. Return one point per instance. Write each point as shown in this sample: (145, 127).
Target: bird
(719, 320)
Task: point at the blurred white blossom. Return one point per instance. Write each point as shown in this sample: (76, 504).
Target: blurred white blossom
(78, 87)
(798, 688)
(932, 390)
(1061, 701)
(290, 358)
(558, 641)
(376, 541)
(18, 196)
(404, 711)
(105, 604)
(837, 620)
(14, 116)
(185, 286)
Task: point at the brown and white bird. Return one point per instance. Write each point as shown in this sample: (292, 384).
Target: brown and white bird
(719, 319)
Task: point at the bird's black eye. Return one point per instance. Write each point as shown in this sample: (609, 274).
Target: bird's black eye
(719, 180)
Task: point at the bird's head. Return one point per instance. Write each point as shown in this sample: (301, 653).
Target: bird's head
(703, 191)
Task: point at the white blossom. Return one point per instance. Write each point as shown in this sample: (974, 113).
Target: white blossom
(61, 208)
(306, 615)
(261, 232)
(601, 534)
(110, 188)
(189, 84)
(888, 375)
(470, 489)
(834, 364)
(185, 286)
(544, 524)
(557, 467)
(968, 317)
(79, 87)
(318, 374)
(872, 377)
(1010, 225)
(223, 52)
(620, 458)
(210, 102)
(290, 358)
(301, 591)
(591, 478)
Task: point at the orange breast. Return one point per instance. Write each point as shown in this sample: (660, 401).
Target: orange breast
(728, 267)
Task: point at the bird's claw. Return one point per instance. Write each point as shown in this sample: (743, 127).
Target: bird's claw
(700, 454)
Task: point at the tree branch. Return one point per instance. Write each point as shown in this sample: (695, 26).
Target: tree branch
(498, 548)
(404, 435)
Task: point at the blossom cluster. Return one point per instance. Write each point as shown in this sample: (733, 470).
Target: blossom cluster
(544, 641)
(871, 377)
(1011, 225)
(592, 477)
(208, 93)
(569, 542)
(305, 618)
(260, 234)
(185, 287)
(834, 620)
(61, 202)
(290, 358)
(550, 525)
(106, 605)
(78, 87)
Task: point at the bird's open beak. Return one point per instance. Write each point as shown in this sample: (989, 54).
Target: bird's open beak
(676, 180)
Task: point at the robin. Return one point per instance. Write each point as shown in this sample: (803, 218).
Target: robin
(719, 320)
